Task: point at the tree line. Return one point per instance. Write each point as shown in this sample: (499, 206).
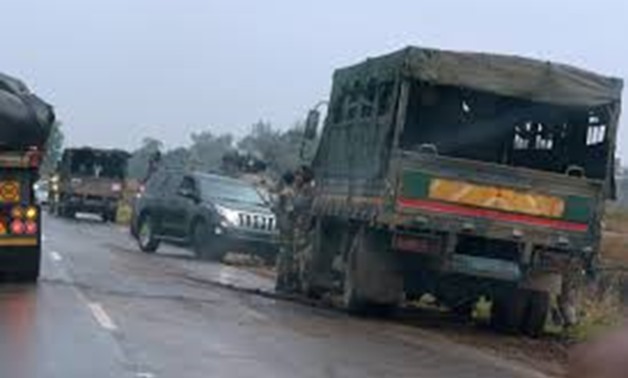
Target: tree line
(278, 149)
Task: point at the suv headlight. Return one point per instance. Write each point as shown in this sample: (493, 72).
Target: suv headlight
(231, 216)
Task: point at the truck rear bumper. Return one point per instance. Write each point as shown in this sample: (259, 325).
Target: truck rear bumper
(18, 259)
(92, 205)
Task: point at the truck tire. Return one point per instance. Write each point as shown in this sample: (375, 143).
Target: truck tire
(146, 239)
(67, 212)
(371, 280)
(464, 309)
(508, 311)
(108, 217)
(536, 313)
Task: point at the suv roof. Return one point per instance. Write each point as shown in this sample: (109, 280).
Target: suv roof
(174, 171)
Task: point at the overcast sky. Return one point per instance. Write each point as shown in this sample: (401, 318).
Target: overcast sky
(119, 70)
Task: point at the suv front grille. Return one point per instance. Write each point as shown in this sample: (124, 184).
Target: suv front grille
(257, 222)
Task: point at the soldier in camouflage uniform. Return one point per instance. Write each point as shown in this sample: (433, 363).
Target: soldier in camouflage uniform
(302, 234)
(295, 225)
(284, 211)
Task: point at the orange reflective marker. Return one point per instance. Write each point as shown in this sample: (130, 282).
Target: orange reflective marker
(9, 191)
(17, 213)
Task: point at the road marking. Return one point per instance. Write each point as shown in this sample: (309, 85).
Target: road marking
(257, 315)
(56, 256)
(101, 316)
(145, 375)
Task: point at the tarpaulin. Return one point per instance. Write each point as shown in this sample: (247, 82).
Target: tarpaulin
(25, 119)
(534, 80)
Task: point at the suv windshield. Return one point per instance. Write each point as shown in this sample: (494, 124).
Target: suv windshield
(229, 190)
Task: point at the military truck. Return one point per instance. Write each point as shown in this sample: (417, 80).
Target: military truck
(25, 125)
(89, 180)
(461, 175)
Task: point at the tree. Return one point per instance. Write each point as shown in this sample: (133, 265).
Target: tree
(138, 163)
(207, 150)
(53, 150)
(178, 158)
(280, 150)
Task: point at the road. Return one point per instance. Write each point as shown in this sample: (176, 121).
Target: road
(103, 309)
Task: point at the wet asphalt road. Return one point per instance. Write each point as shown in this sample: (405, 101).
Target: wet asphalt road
(103, 309)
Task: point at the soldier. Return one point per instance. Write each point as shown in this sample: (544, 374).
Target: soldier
(302, 228)
(284, 211)
(153, 165)
(294, 222)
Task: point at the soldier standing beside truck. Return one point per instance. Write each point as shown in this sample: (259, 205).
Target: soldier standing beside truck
(461, 175)
(284, 212)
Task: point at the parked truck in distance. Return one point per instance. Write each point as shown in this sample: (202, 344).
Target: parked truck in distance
(89, 180)
(25, 125)
(461, 175)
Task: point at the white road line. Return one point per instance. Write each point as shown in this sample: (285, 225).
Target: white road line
(101, 316)
(145, 375)
(256, 315)
(56, 256)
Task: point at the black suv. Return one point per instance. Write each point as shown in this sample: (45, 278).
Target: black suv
(214, 214)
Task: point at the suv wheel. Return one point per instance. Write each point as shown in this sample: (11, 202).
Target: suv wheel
(146, 235)
(204, 244)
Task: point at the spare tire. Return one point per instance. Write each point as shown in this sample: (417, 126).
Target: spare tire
(25, 119)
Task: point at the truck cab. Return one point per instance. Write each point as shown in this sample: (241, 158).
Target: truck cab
(462, 175)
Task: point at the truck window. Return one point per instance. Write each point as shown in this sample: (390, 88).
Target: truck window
(100, 165)
(481, 126)
(362, 101)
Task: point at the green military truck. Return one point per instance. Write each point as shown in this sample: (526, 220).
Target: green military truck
(89, 180)
(461, 175)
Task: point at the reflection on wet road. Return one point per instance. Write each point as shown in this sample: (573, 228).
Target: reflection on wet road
(103, 309)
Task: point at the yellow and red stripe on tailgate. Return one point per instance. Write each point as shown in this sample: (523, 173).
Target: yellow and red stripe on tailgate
(424, 192)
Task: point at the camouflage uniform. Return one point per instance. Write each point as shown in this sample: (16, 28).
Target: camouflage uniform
(285, 222)
(302, 238)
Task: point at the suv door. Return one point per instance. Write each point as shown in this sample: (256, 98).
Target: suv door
(181, 206)
(152, 200)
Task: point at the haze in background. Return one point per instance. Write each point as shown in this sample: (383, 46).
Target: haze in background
(120, 70)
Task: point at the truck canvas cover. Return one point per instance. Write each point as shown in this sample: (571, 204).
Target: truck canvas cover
(512, 76)
(473, 106)
(25, 119)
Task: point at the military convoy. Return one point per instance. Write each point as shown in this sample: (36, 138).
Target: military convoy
(461, 175)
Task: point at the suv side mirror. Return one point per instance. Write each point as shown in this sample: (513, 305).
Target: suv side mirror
(311, 124)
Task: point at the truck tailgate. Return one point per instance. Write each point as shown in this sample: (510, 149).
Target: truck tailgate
(489, 196)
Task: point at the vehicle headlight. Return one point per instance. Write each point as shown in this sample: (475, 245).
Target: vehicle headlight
(231, 216)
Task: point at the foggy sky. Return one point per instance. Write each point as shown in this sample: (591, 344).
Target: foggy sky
(119, 70)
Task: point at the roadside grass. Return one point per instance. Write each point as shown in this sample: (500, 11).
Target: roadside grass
(616, 219)
(602, 304)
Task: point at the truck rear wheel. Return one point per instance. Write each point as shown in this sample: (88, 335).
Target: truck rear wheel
(371, 280)
(536, 313)
(508, 311)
